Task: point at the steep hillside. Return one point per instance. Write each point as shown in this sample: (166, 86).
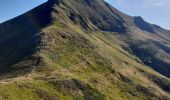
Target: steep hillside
(85, 50)
(147, 41)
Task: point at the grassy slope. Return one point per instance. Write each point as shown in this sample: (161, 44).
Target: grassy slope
(77, 64)
(83, 65)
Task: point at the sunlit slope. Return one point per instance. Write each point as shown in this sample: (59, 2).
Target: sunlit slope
(77, 64)
(69, 57)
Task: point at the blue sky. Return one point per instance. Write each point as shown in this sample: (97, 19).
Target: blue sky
(154, 11)
(13, 8)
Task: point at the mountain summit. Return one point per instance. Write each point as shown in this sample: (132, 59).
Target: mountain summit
(85, 50)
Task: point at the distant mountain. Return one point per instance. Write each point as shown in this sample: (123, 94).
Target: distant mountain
(83, 50)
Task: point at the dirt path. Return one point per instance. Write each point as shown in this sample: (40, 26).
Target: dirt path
(16, 79)
(10, 80)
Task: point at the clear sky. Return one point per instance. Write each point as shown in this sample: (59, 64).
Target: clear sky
(154, 11)
(13, 8)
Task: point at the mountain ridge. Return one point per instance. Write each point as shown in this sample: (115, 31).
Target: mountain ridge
(82, 49)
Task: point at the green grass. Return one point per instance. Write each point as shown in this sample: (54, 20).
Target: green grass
(90, 57)
(84, 65)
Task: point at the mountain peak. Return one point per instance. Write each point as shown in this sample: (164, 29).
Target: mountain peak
(54, 1)
(80, 49)
(142, 24)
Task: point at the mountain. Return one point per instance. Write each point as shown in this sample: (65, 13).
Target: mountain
(84, 50)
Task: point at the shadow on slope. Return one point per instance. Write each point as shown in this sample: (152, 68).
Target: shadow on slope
(20, 38)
